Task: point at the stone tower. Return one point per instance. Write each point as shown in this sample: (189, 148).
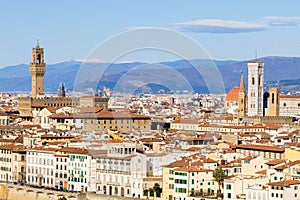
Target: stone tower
(274, 101)
(61, 90)
(242, 99)
(37, 71)
(255, 88)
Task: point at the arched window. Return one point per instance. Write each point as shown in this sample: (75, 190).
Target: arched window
(253, 81)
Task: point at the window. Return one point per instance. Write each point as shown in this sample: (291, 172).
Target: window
(253, 81)
(229, 195)
(228, 187)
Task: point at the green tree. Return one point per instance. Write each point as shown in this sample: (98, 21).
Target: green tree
(219, 176)
(151, 192)
(62, 198)
(146, 192)
(157, 189)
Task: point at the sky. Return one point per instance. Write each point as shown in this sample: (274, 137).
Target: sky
(71, 30)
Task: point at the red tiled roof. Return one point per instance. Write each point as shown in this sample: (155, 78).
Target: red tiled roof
(233, 94)
(275, 162)
(186, 121)
(289, 97)
(100, 115)
(260, 147)
(285, 183)
(191, 169)
(74, 150)
(284, 166)
(263, 172)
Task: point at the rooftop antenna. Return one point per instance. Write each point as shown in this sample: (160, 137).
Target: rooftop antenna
(256, 55)
(37, 43)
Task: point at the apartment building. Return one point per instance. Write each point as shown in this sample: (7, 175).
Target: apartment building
(121, 170)
(80, 169)
(40, 167)
(19, 165)
(6, 158)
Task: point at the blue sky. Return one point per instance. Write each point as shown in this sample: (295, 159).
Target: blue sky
(227, 30)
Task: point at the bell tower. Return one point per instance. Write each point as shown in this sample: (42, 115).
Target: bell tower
(37, 71)
(274, 102)
(255, 88)
(242, 99)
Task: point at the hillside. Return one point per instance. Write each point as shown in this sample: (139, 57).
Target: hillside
(279, 71)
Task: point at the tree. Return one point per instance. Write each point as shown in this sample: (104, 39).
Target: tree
(62, 198)
(151, 192)
(157, 189)
(219, 176)
(146, 192)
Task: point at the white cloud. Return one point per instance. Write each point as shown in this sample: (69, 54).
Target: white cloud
(219, 26)
(91, 60)
(282, 21)
(132, 28)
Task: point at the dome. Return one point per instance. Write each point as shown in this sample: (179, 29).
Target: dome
(233, 94)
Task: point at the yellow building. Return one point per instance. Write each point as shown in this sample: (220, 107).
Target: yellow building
(291, 154)
(19, 165)
(168, 179)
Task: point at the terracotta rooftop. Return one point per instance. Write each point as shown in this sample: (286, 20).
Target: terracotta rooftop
(178, 163)
(233, 94)
(285, 183)
(100, 115)
(208, 160)
(289, 164)
(191, 169)
(263, 172)
(289, 97)
(43, 149)
(186, 121)
(260, 147)
(275, 162)
(74, 150)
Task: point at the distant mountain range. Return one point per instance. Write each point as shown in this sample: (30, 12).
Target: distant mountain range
(279, 71)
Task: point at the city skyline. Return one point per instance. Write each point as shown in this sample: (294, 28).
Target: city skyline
(226, 30)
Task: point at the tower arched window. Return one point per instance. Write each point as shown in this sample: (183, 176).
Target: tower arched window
(253, 81)
(39, 58)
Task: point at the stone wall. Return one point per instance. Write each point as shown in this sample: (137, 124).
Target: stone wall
(13, 192)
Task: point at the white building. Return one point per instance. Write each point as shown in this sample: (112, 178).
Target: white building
(235, 187)
(40, 165)
(256, 192)
(284, 190)
(120, 171)
(81, 169)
